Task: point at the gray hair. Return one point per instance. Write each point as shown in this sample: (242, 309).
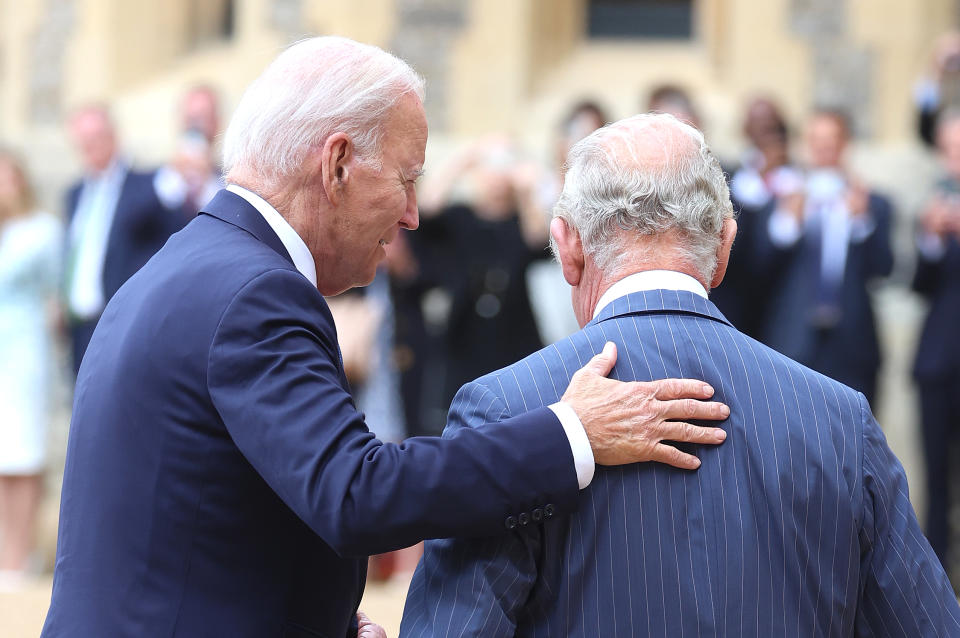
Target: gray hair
(315, 88)
(649, 174)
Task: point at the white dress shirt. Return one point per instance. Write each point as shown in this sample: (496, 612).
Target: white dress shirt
(649, 280)
(89, 234)
(303, 260)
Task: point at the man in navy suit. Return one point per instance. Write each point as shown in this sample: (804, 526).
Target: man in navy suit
(116, 223)
(219, 479)
(828, 242)
(937, 365)
(800, 525)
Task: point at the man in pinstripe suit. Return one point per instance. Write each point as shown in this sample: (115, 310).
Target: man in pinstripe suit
(799, 525)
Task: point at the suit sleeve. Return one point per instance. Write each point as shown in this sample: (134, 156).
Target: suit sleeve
(876, 249)
(477, 586)
(275, 378)
(903, 589)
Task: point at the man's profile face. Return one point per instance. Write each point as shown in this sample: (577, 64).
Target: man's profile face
(378, 204)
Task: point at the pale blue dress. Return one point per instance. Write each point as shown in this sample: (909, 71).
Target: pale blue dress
(30, 251)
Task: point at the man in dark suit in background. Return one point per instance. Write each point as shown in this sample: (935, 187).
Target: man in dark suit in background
(937, 365)
(800, 525)
(219, 480)
(829, 241)
(116, 223)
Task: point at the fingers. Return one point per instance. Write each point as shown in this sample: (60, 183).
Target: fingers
(665, 389)
(603, 362)
(693, 410)
(672, 456)
(690, 433)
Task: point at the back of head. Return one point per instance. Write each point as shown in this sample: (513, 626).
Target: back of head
(643, 176)
(315, 88)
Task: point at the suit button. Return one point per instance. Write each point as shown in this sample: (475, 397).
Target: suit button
(511, 522)
(537, 515)
(524, 519)
(548, 510)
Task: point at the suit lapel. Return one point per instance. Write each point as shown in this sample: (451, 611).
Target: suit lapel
(660, 302)
(235, 210)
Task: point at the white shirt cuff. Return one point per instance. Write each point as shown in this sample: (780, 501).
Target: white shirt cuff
(783, 228)
(579, 443)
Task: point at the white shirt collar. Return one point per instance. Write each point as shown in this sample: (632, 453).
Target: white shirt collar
(298, 250)
(650, 280)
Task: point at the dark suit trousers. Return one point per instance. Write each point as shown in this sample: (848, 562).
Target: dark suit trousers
(940, 410)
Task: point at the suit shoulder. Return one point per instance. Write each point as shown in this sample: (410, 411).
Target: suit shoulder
(541, 377)
(842, 394)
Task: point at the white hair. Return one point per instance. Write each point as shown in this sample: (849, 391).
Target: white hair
(646, 175)
(315, 88)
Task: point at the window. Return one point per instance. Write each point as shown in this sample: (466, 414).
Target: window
(208, 21)
(640, 18)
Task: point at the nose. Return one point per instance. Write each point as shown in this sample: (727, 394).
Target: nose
(411, 215)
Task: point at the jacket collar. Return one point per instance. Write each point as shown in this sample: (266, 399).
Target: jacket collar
(660, 301)
(235, 210)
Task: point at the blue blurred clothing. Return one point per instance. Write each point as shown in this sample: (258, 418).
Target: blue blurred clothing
(30, 248)
(798, 525)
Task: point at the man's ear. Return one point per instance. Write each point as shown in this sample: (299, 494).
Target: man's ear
(727, 234)
(569, 250)
(335, 164)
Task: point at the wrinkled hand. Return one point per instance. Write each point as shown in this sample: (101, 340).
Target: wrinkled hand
(367, 629)
(627, 422)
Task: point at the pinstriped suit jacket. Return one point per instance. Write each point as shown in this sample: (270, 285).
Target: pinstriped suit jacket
(798, 525)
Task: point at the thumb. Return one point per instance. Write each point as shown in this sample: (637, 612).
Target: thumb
(603, 362)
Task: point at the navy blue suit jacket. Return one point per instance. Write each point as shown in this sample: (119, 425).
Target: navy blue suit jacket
(798, 525)
(850, 350)
(141, 225)
(938, 354)
(219, 480)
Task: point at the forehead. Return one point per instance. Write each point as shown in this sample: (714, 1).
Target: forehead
(406, 130)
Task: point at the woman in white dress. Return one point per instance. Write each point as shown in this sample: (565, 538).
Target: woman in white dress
(30, 247)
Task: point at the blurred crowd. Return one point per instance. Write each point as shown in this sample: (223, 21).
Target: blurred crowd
(475, 289)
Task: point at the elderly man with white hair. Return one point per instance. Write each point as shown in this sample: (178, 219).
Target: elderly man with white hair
(799, 525)
(219, 480)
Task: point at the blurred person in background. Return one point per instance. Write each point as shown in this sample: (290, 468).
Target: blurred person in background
(765, 174)
(30, 249)
(833, 237)
(937, 365)
(200, 112)
(939, 89)
(673, 99)
(192, 176)
(116, 222)
(481, 250)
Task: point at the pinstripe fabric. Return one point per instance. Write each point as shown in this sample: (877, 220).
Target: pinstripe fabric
(798, 525)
